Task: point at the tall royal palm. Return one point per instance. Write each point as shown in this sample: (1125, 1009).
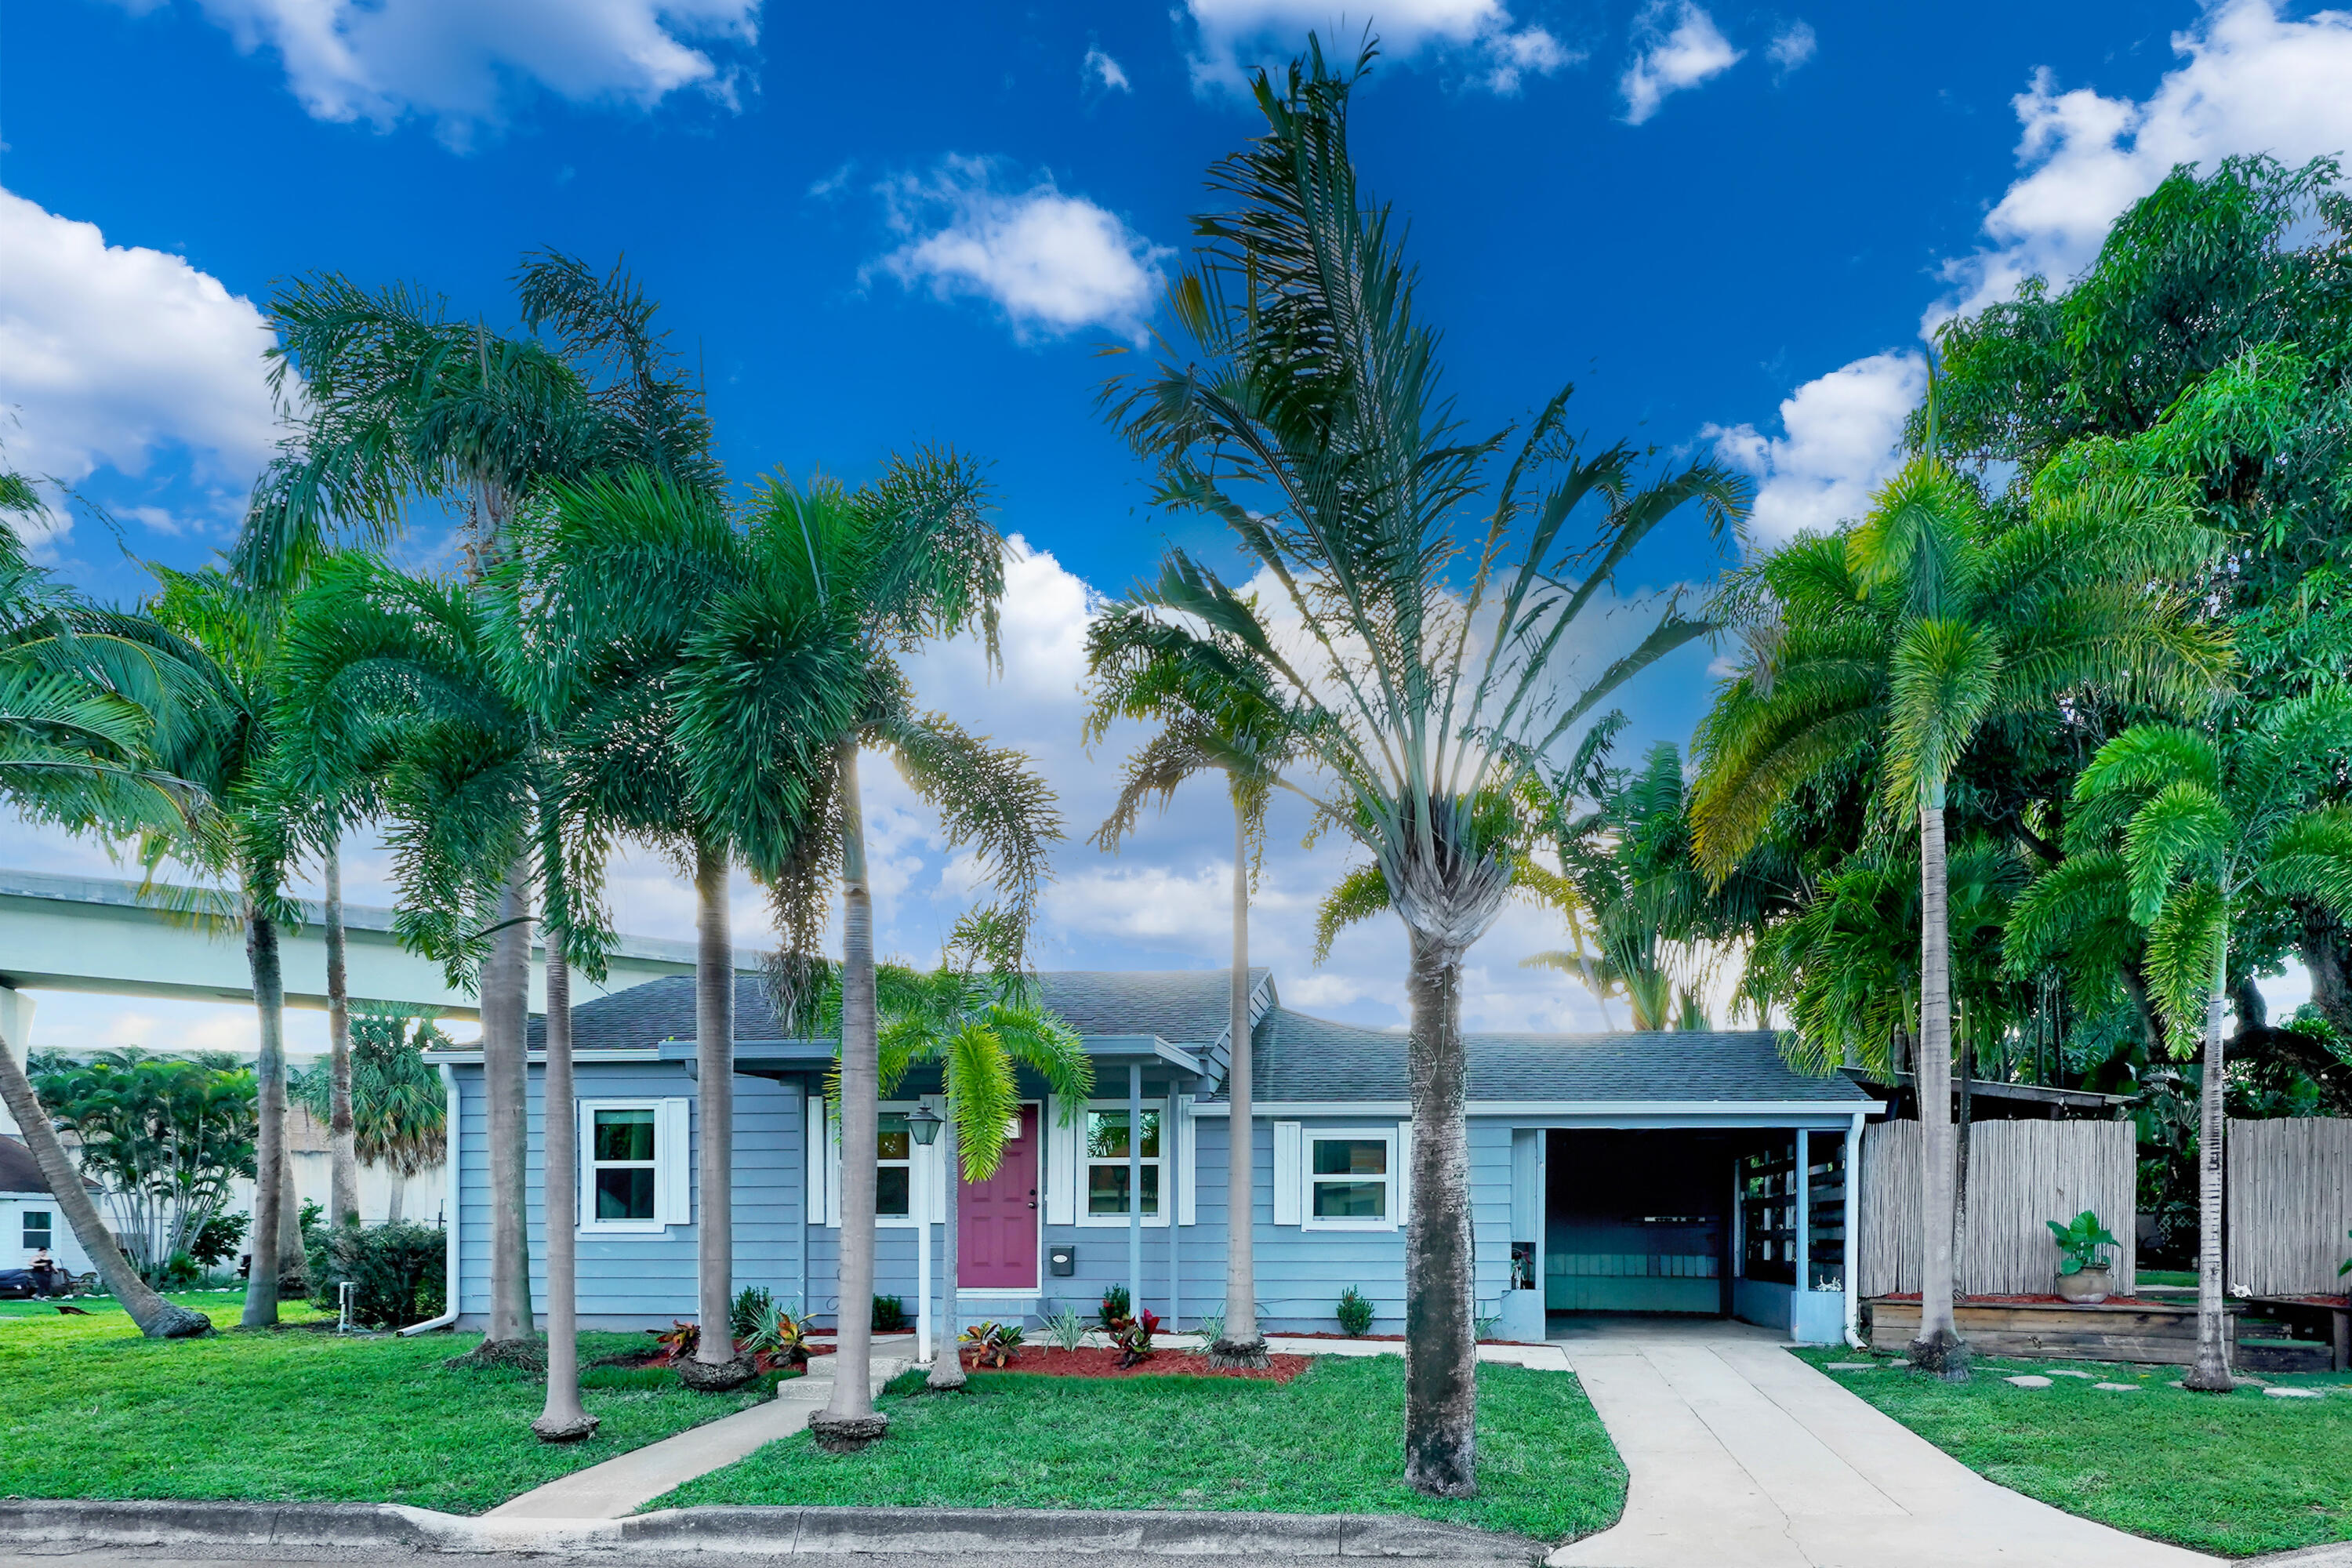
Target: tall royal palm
(1218, 710)
(788, 678)
(1896, 643)
(1426, 672)
(2189, 829)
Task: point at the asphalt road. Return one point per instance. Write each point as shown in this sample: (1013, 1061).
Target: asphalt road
(114, 1558)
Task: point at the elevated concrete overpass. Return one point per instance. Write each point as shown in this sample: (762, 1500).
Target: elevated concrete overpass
(98, 934)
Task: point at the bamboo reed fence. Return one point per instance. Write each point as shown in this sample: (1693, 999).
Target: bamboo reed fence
(2290, 1203)
(2020, 1175)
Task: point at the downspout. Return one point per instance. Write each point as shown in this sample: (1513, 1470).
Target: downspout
(1852, 1219)
(450, 1204)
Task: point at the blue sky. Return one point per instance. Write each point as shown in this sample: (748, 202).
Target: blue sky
(881, 226)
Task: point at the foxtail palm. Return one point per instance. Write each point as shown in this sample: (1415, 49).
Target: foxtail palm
(2192, 827)
(1428, 672)
(1218, 710)
(1894, 643)
(787, 680)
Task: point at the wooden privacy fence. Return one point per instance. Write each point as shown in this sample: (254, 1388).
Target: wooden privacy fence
(2020, 1174)
(2290, 1202)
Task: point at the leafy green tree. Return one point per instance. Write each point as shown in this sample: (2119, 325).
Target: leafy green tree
(1220, 709)
(163, 1135)
(399, 1112)
(1425, 671)
(2185, 828)
(1903, 637)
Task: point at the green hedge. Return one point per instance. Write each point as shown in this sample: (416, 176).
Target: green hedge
(399, 1273)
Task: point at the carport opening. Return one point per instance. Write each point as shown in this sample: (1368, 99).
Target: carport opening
(1639, 1221)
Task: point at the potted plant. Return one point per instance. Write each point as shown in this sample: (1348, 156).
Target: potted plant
(2083, 1274)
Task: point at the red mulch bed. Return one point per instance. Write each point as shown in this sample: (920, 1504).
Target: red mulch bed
(2040, 1301)
(1101, 1361)
(1399, 1339)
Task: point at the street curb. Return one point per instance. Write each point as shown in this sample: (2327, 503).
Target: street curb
(753, 1531)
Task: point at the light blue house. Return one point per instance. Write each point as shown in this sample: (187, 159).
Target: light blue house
(1630, 1172)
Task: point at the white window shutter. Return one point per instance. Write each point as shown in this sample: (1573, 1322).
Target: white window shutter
(1402, 1186)
(1187, 1163)
(674, 1165)
(812, 1156)
(585, 1147)
(1289, 1178)
(832, 1164)
(1062, 1160)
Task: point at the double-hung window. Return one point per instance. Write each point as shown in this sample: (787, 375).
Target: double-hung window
(633, 1165)
(1351, 1180)
(894, 1167)
(1105, 1179)
(38, 1229)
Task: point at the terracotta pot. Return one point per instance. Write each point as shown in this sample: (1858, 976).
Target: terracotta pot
(2088, 1286)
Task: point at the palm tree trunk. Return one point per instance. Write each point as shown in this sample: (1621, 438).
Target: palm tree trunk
(849, 1422)
(156, 1318)
(343, 1175)
(293, 1244)
(563, 1420)
(1441, 1352)
(2211, 1372)
(506, 1007)
(1241, 1344)
(1938, 1348)
(270, 1116)
(395, 1188)
(946, 1362)
(714, 1077)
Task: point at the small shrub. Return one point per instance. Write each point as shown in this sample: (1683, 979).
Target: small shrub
(750, 1302)
(399, 1273)
(677, 1342)
(1355, 1313)
(1213, 1326)
(1135, 1339)
(993, 1343)
(1116, 1310)
(218, 1238)
(776, 1338)
(2079, 1242)
(1066, 1329)
(1483, 1324)
(889, 1315)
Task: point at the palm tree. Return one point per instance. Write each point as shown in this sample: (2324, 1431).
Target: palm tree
(399, 1115)
(75, 751)
(787, 680)
(1895, 643)
(1427, 674)
(2193, 827)
(1219, 709)
(977, 1027)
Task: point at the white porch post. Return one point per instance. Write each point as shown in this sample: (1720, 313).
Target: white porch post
(1171, 1147)
(920, 1202)
(1852, 1225)
(1804, 1226)
(1135, 1187)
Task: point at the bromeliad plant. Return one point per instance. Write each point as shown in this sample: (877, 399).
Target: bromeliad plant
(2079, 1242)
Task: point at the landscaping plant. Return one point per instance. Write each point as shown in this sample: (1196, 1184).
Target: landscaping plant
(773, 1337)
(1135, 1338)
(992, 1343)
(1066, 1329)
(889, 1315)
(1355, 1313)
(398, 1273)
(2079, 1242)
(1115, 1311)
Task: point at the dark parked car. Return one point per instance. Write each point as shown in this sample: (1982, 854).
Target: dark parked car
(15, 1284)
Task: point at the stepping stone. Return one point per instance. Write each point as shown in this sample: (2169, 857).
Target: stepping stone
(2061, 1371)
(2028, 1380)
(2293, 1392)
(1853, 1365)
(2118, 1387)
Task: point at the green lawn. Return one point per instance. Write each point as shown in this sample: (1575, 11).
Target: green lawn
(94, 1411)
(2234, 1474)
(1328, 1443)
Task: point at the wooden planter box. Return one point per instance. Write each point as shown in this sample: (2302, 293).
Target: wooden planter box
(2157, 1332)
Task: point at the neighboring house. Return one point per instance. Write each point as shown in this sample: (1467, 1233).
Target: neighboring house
(29, 1218)
(1607, 1173)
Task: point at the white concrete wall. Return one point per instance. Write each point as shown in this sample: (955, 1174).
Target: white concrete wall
(14, 1254)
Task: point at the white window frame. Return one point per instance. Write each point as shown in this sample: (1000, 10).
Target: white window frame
(1082, 1163)
(672, 1164)
(1391, 1202)
(924, 1201)
(25, 1228)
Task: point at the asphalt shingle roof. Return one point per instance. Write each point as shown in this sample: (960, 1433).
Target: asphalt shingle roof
(1299, 1057)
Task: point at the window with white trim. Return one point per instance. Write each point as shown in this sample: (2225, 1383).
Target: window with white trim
(894, 1167)
(40, 1229)
(1106, 1168)
(1350, 1178)
(633, 1165)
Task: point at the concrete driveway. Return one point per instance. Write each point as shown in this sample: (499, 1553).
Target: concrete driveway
(1743, 1456)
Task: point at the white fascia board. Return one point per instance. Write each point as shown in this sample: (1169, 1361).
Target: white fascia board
(1596, 1111)
(616, 1053)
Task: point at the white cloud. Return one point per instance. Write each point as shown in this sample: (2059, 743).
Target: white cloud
(1099, 70)
(108, 352)
(1053, 263)
(1791, 47)
(1695, 51)
(1233, 37)
(1839, 442)
(2253, 81)
(458, 62)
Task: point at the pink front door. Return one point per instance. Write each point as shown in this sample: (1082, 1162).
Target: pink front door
(996, 1234)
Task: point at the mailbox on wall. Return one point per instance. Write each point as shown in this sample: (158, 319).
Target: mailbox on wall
(1061, 1260)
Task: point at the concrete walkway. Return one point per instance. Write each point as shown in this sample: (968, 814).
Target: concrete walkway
(618, 1487)
(1743, 1456)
